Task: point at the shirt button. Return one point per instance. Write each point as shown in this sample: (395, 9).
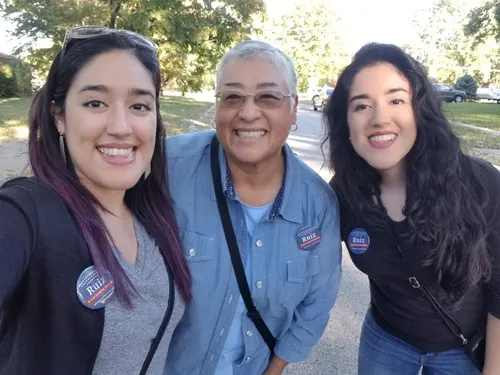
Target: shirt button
(249, 333)
(259, 243)
(248, 358)
(192, 252)
(260, 284)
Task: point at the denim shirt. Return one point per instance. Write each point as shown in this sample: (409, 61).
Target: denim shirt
(294, 289)
(234, 346)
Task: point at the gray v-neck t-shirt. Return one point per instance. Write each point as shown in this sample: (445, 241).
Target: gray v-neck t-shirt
(128, 333)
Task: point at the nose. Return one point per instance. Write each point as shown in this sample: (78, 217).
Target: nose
(249, 111)
(119, 122)
(380, 115)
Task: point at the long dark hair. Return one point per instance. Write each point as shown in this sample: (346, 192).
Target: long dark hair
(149, 200)
(445, 200)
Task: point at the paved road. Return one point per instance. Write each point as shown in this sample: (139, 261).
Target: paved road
(336, 353)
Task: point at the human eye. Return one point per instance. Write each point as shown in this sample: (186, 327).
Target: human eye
(232, 97)
(94, 104)
(269, 96)
(397, 101)
(140, 107)
(361, 107)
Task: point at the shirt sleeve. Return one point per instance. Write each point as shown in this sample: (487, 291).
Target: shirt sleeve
(493, 286)
(16, 241)
(311, 315)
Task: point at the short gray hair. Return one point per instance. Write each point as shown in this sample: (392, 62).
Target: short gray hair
(253, 48)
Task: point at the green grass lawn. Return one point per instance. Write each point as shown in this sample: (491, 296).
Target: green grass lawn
(486, 115)
(479, 143)
(177, 112)
(13, 117)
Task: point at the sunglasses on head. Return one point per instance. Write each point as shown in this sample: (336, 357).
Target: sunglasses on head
(85, 32)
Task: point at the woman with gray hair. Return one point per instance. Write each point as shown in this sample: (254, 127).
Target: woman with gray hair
(259, 228)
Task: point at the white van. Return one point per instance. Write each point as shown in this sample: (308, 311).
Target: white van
(488, 94)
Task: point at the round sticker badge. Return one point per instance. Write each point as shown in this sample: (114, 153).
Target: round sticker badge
(93, 289)
(358, 241)
(308, 238)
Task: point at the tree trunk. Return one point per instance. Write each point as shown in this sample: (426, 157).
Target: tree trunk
(114, 13)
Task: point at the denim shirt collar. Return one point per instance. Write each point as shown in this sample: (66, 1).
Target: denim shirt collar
(288, 202)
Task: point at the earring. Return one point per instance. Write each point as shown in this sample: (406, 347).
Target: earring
(147, 172)
(296, 127)
(62, 149)
(213, 124)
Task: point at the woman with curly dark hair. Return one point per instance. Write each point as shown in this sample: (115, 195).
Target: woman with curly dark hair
(419, 217)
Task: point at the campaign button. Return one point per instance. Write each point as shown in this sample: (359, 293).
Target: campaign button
(308, 238)
(93, 289)
(358, 241)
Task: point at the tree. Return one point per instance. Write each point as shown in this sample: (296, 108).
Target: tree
(484, 22)
(310, 35)
(446, 51)
(467, 84)
(192, 34)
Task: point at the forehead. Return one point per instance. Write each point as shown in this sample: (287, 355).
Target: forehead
(382, 76)
(118, 70)
(250, 73)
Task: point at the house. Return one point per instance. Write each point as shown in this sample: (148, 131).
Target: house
(6, 59)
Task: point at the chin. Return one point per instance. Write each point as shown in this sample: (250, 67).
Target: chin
(248, 157)
(383, 165)
(121, 183)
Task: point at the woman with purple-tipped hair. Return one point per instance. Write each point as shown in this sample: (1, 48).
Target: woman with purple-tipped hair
(92, 276)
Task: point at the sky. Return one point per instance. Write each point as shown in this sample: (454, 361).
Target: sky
(388, 21)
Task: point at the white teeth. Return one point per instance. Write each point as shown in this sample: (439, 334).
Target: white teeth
(116, 151)
(254, 134)
(383, 138)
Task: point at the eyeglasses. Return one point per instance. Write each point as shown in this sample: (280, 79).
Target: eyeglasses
(85, 32)
(263, 100)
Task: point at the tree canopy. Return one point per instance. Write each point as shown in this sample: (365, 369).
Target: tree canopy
(484, 21)
(192, 35)
(310, 34)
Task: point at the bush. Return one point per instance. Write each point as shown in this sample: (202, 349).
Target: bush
(23, 77)
(8, 85)
(467, 84)
(15, 79)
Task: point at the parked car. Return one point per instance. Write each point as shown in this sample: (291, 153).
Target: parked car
(488, 94)
(313, 92)
(448, 94)
(319, 101)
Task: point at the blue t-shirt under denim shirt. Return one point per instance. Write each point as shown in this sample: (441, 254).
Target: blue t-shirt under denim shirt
(234, 348)
(293, 286)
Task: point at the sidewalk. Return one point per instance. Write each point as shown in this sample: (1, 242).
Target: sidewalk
(475, 127)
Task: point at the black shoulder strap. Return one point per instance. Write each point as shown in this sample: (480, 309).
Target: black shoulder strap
(415, 283)
(166, 319)
(232, 244)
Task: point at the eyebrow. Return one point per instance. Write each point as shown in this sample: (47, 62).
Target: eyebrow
(391, 91)
(106, 90)
(259, 86)
(267, 84)
(141, 92)
(98, 88)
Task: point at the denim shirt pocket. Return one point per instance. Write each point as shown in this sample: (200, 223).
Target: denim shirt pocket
(198, 250)
(299, 272)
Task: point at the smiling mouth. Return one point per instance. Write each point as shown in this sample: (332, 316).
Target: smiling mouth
(250, 134)
(382, 138)
(120, 152)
